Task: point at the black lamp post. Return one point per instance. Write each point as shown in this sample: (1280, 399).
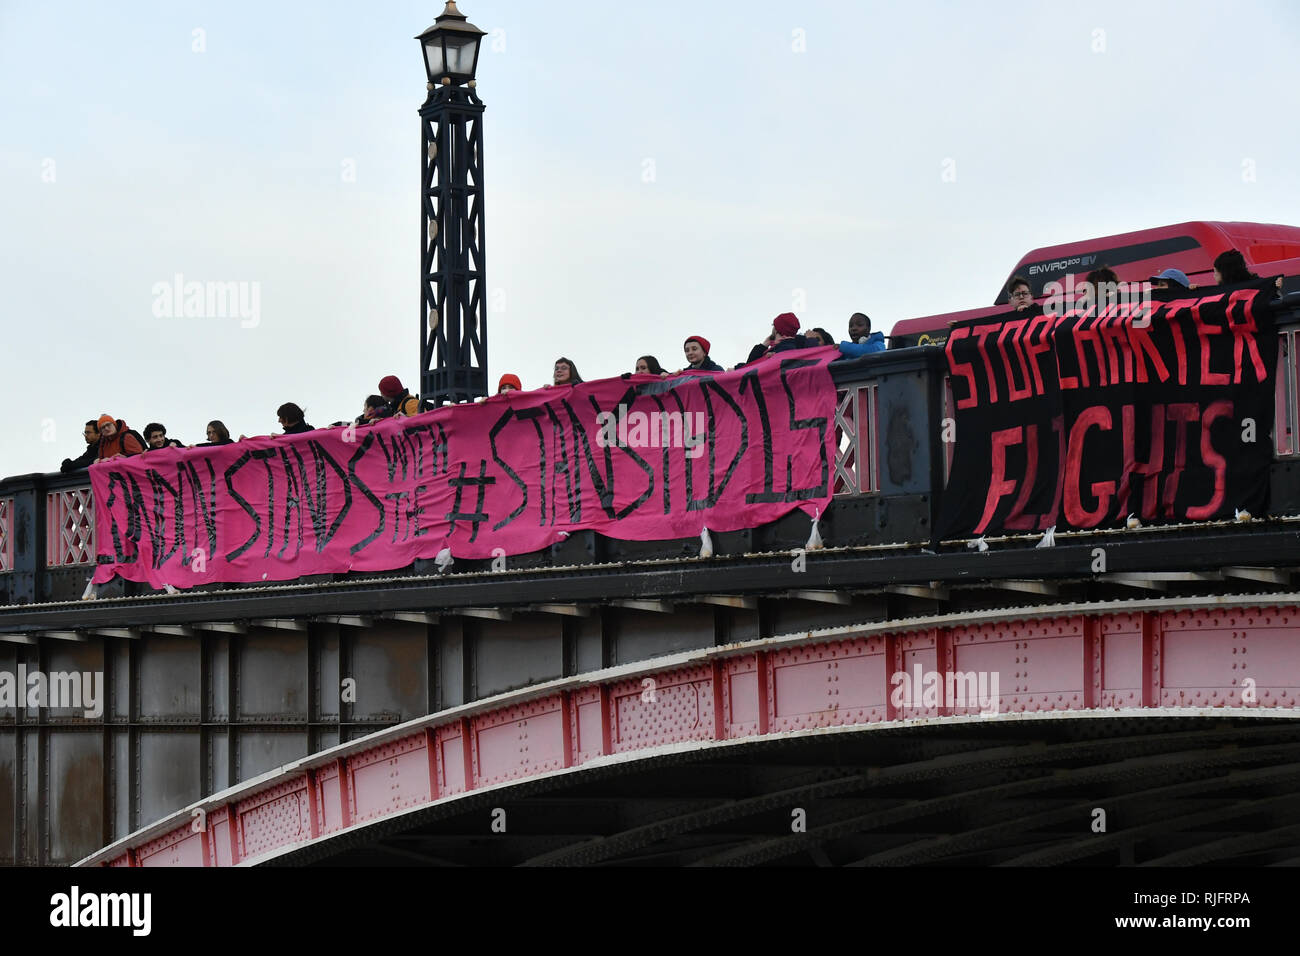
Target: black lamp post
(453, 294)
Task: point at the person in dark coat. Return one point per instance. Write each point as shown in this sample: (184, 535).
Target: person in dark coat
(697, 355)
(566, 373)
(785, 334)
(155, 438)
(218, 434)
(400, 401)
(87, 457)
(291, 417)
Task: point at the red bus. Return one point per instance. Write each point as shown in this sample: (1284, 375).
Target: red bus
(1134, 256)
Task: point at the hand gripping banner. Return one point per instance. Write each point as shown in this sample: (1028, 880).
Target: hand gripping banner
(1162, 409)
(642, 458)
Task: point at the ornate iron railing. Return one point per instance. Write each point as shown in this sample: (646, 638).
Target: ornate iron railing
(69, 528)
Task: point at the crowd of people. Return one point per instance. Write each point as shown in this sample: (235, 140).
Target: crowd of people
(109, 437)
(1101, 283)
(697, 350)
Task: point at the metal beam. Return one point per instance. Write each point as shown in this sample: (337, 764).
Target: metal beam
(81, 638)
(567, 610)
(1263, 575)
(280, 623)
(17, 639)
(486, 613)
(919, 591)
(764, 574)
(1134, 581)
(129, 633)
(347, 620)
(738, 601)
(657, 607)
(173, 630)
(412, 617)
(1027, 587)
(822, 597)
(1161, 576)
(222, 627)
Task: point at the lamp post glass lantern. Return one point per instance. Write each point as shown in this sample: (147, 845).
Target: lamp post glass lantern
(453, 300)
(451, 47)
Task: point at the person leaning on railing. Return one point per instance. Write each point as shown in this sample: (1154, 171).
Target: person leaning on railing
(87, 457)
(862, 341)
(116, 440)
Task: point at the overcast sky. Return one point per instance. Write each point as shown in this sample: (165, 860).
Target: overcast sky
(652, 171)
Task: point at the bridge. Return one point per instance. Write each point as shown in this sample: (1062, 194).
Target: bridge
(632, 701)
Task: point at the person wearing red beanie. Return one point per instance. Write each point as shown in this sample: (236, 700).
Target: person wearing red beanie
(509, 383)
(697, 354)
(785, 337)
(786, 325)
(400, 401)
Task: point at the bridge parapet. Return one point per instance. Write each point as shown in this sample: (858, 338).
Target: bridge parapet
(891, 468)
(888, 463)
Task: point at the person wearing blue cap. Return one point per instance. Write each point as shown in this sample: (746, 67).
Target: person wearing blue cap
(1168, 279)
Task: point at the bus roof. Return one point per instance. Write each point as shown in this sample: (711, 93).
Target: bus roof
(1134, 256)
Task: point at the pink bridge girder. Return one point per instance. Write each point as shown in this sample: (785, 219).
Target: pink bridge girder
(1072, 661)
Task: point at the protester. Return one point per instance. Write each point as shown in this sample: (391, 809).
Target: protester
(375, 409)
(509, 383)
(649, 365)
(116, 440)
(697, 355)
(400, 401)
(1230, 268)
(292, 419)
(862, 341)
(155, 437)
(218, 434)
(1169, 279)
(87, 457)
(1020, 293)
(785, 334)
(1104, 285)
(819, 336)
(759, 350)
(566, 373)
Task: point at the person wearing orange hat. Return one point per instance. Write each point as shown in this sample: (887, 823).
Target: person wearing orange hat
(116, 440)
(697, 354)
(509, 383)
(400, 401)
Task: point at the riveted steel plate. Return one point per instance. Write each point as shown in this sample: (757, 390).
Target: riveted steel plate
(519, 741)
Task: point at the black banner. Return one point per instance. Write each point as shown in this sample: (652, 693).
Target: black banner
(1158, 405)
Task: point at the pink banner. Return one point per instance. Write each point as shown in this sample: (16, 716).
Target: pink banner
(642, 459)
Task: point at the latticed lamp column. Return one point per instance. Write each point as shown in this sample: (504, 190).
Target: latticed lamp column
(453, 294)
